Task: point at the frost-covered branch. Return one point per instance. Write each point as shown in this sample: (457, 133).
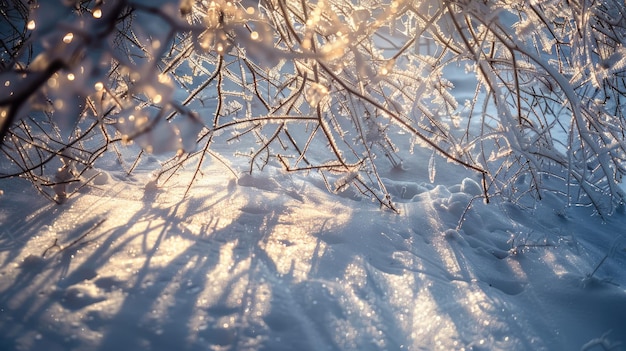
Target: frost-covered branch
(273, 78)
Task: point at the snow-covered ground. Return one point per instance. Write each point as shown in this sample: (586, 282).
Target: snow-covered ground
(272, 261)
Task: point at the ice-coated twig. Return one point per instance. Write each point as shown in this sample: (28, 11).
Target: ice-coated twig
(74, 242)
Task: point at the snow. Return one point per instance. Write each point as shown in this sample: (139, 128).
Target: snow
(273, 261)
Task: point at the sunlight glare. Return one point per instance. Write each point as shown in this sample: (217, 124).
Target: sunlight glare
(517, 270)
(394, 6)
(53, 82)
(429, 325)
(550, 260)
(164, 78)
(288, 245)
(68, 38)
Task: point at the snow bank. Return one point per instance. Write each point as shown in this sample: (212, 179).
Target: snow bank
(273, 262)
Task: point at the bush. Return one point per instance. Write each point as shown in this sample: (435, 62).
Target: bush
(84, 78)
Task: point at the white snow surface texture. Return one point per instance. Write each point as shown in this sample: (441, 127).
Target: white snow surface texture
(272, 261)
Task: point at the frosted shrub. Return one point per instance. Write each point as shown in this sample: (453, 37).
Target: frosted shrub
(288, 76)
